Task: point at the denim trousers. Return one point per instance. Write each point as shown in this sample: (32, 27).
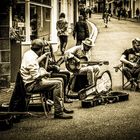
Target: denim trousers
(92, 72)
(47, 84)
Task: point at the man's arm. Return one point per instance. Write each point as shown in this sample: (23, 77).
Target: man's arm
(43, 56)
(70, 52)
(125, 61)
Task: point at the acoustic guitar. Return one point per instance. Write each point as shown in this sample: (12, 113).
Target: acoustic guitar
(74, 64)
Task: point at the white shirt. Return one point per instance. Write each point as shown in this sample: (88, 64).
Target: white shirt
(70, 52)
(30, 69)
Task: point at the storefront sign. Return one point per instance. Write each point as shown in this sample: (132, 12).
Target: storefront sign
(21, 24)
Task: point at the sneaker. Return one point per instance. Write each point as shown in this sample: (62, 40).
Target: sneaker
(62, 116)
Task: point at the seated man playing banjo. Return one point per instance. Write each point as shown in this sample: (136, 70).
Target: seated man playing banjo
(79, 53)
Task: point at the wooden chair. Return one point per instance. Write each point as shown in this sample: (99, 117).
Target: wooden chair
(20, 99)
(39, 98)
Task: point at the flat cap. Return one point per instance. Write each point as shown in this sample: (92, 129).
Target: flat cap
(37, 44)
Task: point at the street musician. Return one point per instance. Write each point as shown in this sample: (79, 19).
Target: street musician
(80, 53)
(37, 79)
(131, 60)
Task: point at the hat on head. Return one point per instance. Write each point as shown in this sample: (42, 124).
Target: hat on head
(37, 44)
(88, 42)
(137, 40)
(62, 15)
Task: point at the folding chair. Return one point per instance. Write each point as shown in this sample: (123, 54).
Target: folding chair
(126, 83)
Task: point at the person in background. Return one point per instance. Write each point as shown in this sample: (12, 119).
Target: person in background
(89, 12)
(15, 22)
(33, 23)
(83, 13)
(81, 31)
(119, 13)
(37, 79)
(137, 13)
(106, 17)
(110, 14)
(62, 32)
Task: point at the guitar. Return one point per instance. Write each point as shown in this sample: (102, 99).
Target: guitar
(74, 64)
(95, 62)
(134, 58)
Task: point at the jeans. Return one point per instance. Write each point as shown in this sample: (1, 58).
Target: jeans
(92, 72)
(63, 43)
(44, 85)
(65, 75)
(131, 72)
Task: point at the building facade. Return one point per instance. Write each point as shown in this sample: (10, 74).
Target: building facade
(24, 20)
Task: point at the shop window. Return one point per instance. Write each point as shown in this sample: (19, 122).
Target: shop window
(48, 2)
(47, 11)
(18, 23)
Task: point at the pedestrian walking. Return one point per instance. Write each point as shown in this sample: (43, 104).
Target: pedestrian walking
(137, 13)
(62, 32)
(88, 12)
(81, 31)
(83, 13)
(106, 17)
(110, 14)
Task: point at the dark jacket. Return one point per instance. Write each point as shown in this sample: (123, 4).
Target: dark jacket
(81, 30)
(18, 98)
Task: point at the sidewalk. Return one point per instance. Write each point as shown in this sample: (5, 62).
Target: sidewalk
(128, 19)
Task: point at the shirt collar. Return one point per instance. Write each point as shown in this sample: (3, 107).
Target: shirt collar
(34, 54)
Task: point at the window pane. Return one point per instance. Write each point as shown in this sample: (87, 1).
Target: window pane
(48, 10)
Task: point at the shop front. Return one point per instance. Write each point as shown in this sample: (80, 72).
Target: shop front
(24, 20)
(30, 19)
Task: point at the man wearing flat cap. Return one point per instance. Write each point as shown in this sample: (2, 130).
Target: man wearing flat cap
(37, 79)
(82, 52)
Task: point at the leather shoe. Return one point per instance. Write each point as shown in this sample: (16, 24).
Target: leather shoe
(68, 111)
(16, 118)
(62, 116)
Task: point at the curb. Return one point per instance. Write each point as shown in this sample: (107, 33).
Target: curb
(94, 32)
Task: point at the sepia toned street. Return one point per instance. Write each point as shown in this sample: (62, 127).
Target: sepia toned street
(116, 121)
